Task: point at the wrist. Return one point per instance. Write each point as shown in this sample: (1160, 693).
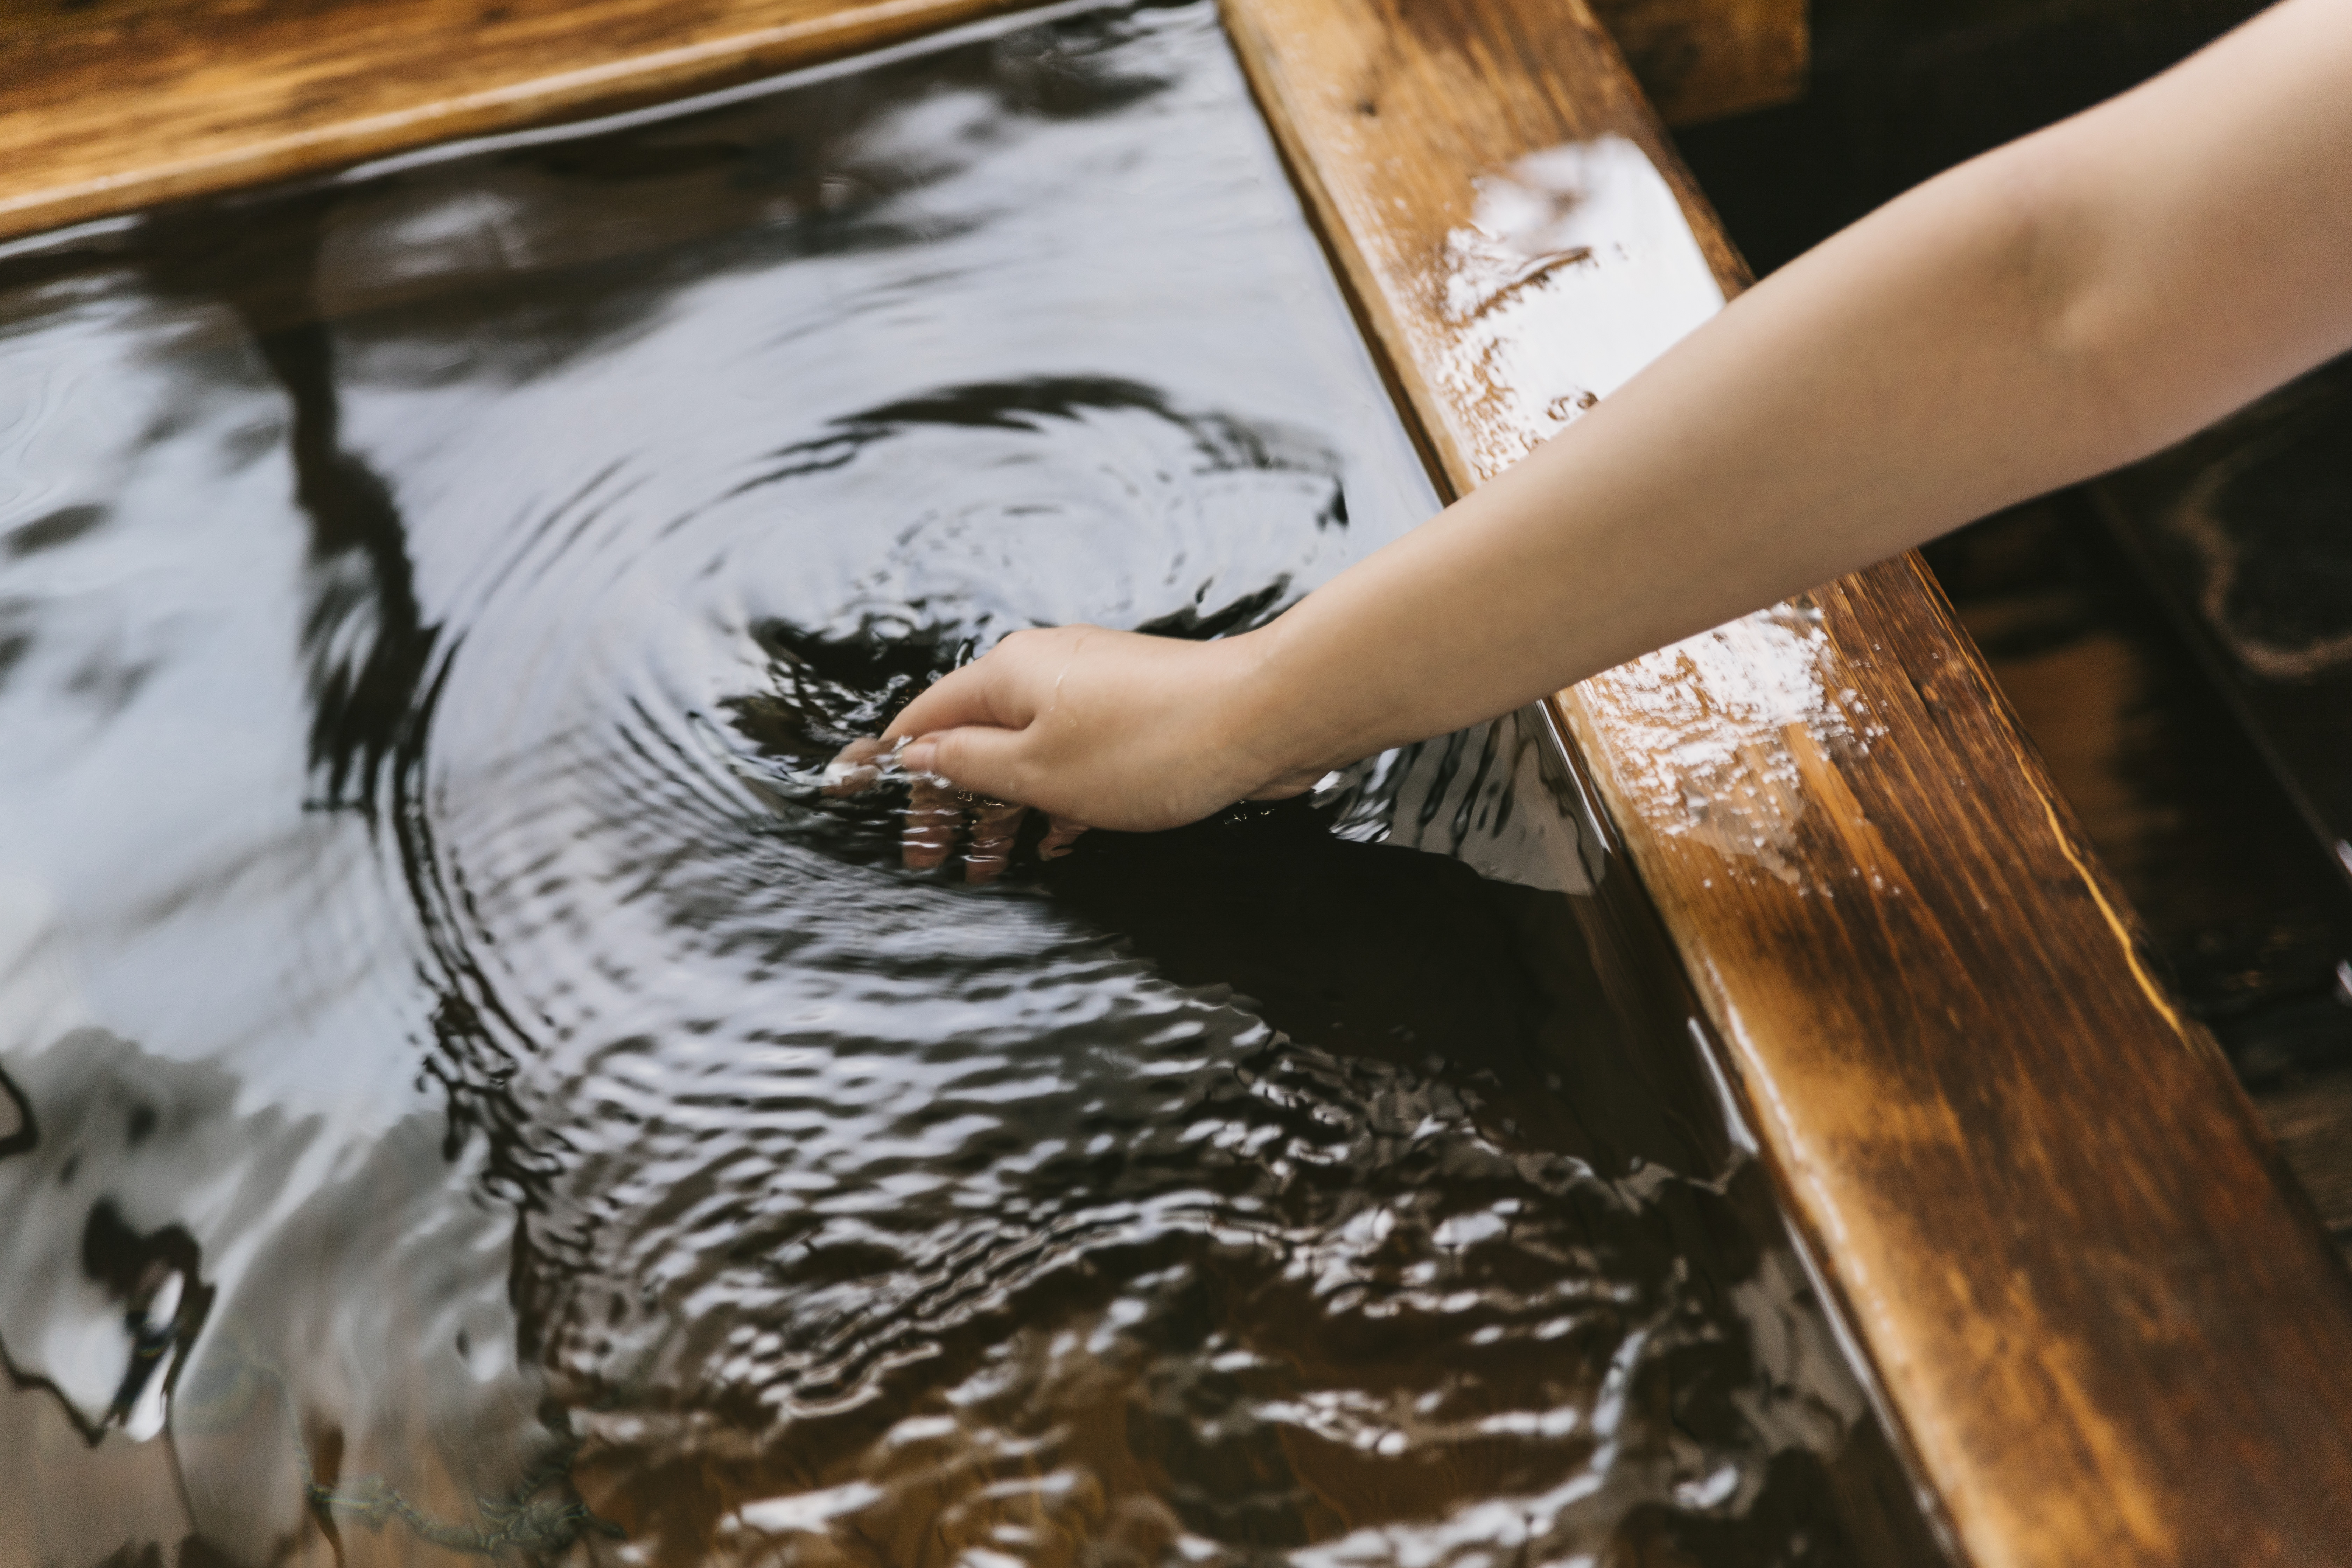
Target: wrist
(1270, 716)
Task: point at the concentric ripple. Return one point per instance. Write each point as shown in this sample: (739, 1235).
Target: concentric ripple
(470, 1093)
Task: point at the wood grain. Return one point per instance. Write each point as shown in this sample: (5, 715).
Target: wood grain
(110, 106)
(2108, 1328)
(2108, 1331)
(2249, 914)
(1702, 59)
(114, 105)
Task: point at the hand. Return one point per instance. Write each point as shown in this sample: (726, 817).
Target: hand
(1096, 728)
(936, 811)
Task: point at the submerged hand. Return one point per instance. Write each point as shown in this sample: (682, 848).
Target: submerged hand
(1098, 728)
(936, 813)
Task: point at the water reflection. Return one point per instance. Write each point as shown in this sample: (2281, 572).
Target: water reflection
(475, 1094)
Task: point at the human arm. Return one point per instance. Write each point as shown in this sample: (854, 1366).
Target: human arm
(2043, 313)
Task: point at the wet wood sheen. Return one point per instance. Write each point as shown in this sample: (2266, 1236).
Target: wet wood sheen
(2108, 1328)
(2106, 1331)
(108, 106)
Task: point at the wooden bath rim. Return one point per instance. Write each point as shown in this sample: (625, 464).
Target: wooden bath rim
(2103, 1323)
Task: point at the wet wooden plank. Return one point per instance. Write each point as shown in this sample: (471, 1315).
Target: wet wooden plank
(2312, 1119)
(125, 1494)
(1703, 59)
(2250, 915)
(110, 106)
(2050, 1219)
(2108, 1328)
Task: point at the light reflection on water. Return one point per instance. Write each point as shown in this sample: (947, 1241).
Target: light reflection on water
(482, 1098)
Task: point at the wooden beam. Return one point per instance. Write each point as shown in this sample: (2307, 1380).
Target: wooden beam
(111, 106)
(2106, 1331)
(1702, 59)
(2108, 1328)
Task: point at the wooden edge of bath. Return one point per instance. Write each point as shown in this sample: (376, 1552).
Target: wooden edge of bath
(2107, 1330)
(2106, 1326)
(113, 106)
(1703, 59)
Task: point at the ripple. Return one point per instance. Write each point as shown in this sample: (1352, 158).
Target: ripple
(567, 1130)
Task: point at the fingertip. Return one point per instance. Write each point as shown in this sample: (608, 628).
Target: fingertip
(855, 768)
(924, 851)
(1059, 838)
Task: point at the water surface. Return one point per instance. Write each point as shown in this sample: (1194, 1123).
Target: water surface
(469, 1093)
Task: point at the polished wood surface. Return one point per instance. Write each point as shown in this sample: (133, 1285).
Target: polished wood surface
(1702, 59)
(110, 106)
(2249, 914)
(2108, 1328)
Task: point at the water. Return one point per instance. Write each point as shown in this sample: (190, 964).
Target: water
(469, 1091)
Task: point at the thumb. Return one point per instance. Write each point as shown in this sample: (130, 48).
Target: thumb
(988, 691)
(980, 758)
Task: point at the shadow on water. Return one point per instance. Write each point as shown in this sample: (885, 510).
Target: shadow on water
(474, 1094)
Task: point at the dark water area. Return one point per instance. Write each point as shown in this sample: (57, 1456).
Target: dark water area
(468, 1092)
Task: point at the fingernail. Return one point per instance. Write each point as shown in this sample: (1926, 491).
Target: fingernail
(919, 756)
(847, 777)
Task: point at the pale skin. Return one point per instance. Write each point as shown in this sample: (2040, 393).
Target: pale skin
(2054, 308)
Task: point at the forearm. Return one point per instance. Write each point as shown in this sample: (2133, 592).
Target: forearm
(1889, 385)
(2012, 326)
(2052, 310)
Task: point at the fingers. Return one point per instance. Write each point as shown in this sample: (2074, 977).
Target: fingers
(1003, 687)
(855, 767)
(936, 815)
(940, 799)
(1059, 837)
(983, 761)
(993, 828)
(933, 815)
(965, 736)
(959, 697)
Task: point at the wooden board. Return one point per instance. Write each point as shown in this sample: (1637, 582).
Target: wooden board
(1702, 59)
(2106, 1332)
(110, 106)
(2109, 1330)
(2250, 915)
